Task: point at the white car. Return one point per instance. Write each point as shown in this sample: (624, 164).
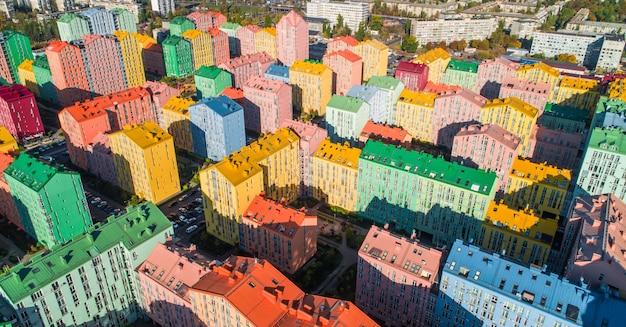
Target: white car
(199, 200)
(191, 229)
(174, 224)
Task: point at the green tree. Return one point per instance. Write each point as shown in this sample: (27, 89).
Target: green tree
(267, 21)
(339, 21)
(360, 33)
(376, 23)
(326, 30)
(409, 44)
(566, 57)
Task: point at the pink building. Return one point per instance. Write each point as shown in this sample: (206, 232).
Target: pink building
(161, 93)
(165, 278)
(488, 147)
(235, 94)
(68, 72)
(221, 51)
(347, 70)
(413, 75)
(285, 236)
(311, 136)
(100, 159)
(386, 134)
(247, 66)
(594, 243)
(341, 43)
(436, 88)
(534, 93)
(153, 59)
(555, 147)
(266, 104)
(202, 21)
(19, 112)
(104, 64)
(292, 38)
(393, 265)
(7, 205)
(452, 111)
(246, 38)
(490, 76)
(217, 18)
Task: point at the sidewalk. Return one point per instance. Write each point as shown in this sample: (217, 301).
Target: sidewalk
(349, 255)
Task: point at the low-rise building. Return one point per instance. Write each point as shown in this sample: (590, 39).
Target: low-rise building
(449, 30)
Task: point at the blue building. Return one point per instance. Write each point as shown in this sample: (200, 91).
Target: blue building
(217, 127)
(481, 288)
(277, 72)
(100, 21)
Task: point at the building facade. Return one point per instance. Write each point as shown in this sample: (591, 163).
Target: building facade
(461, 73)
(353, 13)
(211, 81)
(292, 34)
(176, 121)
(514, 115)
(267, 103)
(15, 49)
(375, 56)
(414, 112)
(312, 83)
(347, 70)
(413, 75)
(535, 94)
(345, 118)
(19, 112)
(491, 73)
(178, 56)
(246, 66)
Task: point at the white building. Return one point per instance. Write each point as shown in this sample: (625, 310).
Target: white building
(524, 28)
(345, 117)
(611, 52)
(6, 9)
(352, 12)
(162, 7)
(449, 30)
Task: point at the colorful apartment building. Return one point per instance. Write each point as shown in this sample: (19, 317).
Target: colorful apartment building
(453, 111)
(164, 281)
(245, 35)
(461, 73)
(555, 147)
(345, 118)
(201, 48)
(540, 72)
(514, 115)
(565, 118)
(230, 28)
(312, 84)
(578, 92)
(206, 20)
(100, 159)
(27, 76)
(265, 41)
(68, 72)
(211, 81)
(491, 73)
(283, 235)
(90, 279)
(375, 56)
(414, 111)
(146, 161)
(50, 200)
(43, 76)
(8, 143)
(221, 50)
(391, 89)
(124, 20)
(385, 133)
(103, 62)
(342, 43)
(292, 35)
(437, 61)
(392, 265)
(441, 200)
(440, 89)
(153, 60)
(254, 293)
(234, 94)
(19, 112)
(15, 49)
(161, 93)
(217, 127)
(334, 173)
(176, 121)
(267, 103)
(178, 56)
(535, 94)
(609, 113)
(347, 70)
(246, 66)
(311, 136)
(72, 27)
(487, 147)
(132, 59)
(8, 209)
(180, 25)
(413, 75)
(100, 20)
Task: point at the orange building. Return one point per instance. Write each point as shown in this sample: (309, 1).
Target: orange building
(68, 72)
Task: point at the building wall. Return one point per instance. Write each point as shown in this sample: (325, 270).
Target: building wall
(267, 104)
(414, 113)
(452, 111)
(414, 76)
(375, 56)
(47, 90)
(292, 34)
(210, 84)
(68, 72)
(27, 76)
(449, 30)
(578, 93)
(514, 115)
(16, 48)
(19, 112)
(534, 93)
(246, 66)
(345, 118)
(246, 36)
(72, 27)
(353, 13)
(491, 73)
(8, 209)
(391, 89)
(132, 60)
(178, 56)
(437, 60)
(465, 78)
(221, 50)
(176, 121)
(312, 86)
(104, 64)
(201, 48)
(540, 73)
(555, 147)
(265, 41)
(347, 70)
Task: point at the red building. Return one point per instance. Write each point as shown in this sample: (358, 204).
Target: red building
(221, 51)
(153, 59)
(19, 112)
(413, 75)
(69, 75)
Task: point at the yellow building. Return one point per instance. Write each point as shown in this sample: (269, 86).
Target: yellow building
(144, 40)
(132, 57)
(145, 161)
(581, 93)
(414, 112)
(27, 76)
(201, 47)
(265, 40)
(537, 186)
(271, 165)
(375, 55)
(437, 61)
(334, 173)
(7, 141)
(520, 234)
(176, 121)
(312, 85)
(540, 72)
(514, 115)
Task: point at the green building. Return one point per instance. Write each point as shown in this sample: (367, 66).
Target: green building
(564, 118)
(43, 76)
(178, 56)
(124, 20)
(442, 201)
(233, 42)
(211, 81)
(15, 49)
(461, 73)
(90, 280)
(50, 200)
(180, 25)
(72, 27)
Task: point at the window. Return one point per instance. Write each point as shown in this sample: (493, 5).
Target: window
(571, 312)
(543, 300)
(463, 272)
(559, 307)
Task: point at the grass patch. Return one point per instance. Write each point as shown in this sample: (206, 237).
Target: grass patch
(346, 285)
(317, 269)
(210, 244)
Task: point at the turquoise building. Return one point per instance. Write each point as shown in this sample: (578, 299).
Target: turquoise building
(90, 280)
(72, 27)
(43, 76)
(50, 200)
(461, 73)
(442, 201)
(211, 81)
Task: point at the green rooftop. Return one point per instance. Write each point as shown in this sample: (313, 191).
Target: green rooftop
(32, 172)
(469, 67)
(567, 112)
(616, 106)
(68, 18)
(173, 40)
(384, 82)
(427, 166)
(230, 26)
(179, 20)
(132, 229)
(345, 103)
(611, 139)
(42, 61)
(209, 71)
